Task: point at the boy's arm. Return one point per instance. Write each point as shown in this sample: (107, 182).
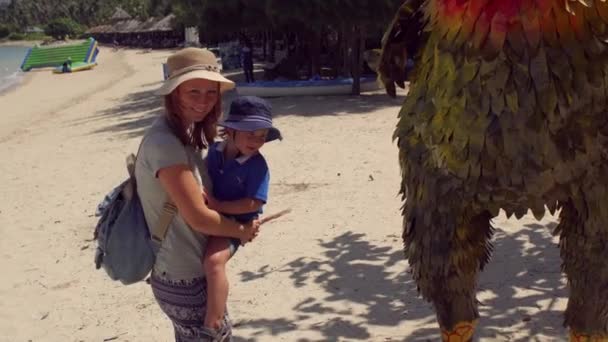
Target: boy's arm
(242, 206)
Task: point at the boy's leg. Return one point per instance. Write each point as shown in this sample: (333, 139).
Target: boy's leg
(216, 256)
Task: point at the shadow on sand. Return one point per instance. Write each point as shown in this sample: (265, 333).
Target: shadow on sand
(136, 111)
(526, 259)
(130, 118)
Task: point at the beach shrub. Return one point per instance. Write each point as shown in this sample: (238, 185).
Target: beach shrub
(5, 31)
(36, 36)
(16, 36)
(62, 28)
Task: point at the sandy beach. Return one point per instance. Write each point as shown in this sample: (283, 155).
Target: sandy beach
(332, 270)
(26, 43)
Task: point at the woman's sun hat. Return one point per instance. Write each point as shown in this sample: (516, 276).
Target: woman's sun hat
(250, 113)
(191, 63)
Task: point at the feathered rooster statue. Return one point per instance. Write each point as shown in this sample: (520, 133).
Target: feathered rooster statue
(507, 108)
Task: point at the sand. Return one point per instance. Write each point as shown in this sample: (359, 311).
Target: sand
(332, 270)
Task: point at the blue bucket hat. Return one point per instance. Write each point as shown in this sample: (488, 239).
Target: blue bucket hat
(250, 113)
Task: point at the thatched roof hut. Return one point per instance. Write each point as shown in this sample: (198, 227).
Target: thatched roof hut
(164, 24)
(123, 26)
(135, 26)
(120, 14)
(154, 32)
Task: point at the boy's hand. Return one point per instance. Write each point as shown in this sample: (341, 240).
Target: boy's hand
(250, 231)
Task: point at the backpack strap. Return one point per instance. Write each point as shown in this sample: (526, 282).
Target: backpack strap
(168, 212)
(162, 226)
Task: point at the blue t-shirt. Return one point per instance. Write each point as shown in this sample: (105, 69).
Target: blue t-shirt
(243, 177)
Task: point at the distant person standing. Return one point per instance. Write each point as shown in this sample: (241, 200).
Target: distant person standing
(247, 59)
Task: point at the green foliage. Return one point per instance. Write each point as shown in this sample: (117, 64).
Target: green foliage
(307, 24)
(5, 31)
(25, 13)
(227, 17)
(35, 36)
(215, 17)
(159, 8)
(16, 36)
(62, 28)
(136, 8)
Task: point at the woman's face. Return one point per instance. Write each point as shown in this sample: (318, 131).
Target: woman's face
(196, 98)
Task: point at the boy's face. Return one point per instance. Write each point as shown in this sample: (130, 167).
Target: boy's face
(249, 143)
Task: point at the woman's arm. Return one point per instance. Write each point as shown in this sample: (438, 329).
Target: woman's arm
(184, 191)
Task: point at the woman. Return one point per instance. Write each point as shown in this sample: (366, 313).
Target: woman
(170, 168)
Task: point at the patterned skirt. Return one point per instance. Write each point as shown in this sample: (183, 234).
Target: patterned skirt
(185, 302)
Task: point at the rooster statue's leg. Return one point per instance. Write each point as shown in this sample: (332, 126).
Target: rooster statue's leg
(446, 250)
(584, 251)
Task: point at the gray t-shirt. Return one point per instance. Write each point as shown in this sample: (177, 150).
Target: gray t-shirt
(181, 253)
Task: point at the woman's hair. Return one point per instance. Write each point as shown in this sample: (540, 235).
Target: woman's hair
(202, 133)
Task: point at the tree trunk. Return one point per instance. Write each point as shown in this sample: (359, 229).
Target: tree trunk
(346, 41)
(357, 58)
(271, 47)
(315, 53)
(307, 43)
(264, 45)
(337, 60)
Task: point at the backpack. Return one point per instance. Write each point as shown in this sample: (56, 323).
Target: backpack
(125, 248)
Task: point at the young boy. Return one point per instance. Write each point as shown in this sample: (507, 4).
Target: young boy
(240, 178)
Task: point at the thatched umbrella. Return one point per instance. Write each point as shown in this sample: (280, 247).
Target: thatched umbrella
(119, 15)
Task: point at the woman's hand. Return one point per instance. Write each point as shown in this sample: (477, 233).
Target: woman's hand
(250, 231)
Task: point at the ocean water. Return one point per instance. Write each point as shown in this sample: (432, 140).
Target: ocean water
(10, 63)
